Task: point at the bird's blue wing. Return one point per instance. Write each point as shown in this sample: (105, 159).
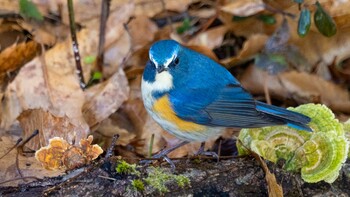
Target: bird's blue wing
(230, 106)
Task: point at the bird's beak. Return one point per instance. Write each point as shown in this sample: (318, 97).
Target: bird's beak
(161, 68)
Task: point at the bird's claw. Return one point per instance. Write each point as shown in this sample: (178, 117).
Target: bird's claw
(158, 156)
(208, 153)
(201, 151)
(163, 154)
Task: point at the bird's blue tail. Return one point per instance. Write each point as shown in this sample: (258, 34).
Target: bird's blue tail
(292, 119)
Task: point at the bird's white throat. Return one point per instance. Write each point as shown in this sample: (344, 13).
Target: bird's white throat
(162, 83)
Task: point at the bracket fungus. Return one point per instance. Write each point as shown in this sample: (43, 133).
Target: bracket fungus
(319, 155)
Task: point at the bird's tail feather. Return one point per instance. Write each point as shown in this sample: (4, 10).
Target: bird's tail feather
(292, 119)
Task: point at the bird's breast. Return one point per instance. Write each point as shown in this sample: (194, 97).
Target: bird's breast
(163, 108)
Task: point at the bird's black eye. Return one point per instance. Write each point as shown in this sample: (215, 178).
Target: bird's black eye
(176, 61)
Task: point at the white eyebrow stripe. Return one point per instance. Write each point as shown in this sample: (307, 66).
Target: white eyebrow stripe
(152, 60)
(168, 61)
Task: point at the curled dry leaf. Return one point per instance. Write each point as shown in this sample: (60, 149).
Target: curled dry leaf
(59, 154)
(48, 125)
(110, 127)
(211, 38)
(322, 53)
(105, 98)
(252, 46)
(50, 83)
(326, 51)
(46, 33)
(244, 8)
(249, 25)
(142, 31)
(15, 56)
(151, 8)
(297, 86)
(274, 189)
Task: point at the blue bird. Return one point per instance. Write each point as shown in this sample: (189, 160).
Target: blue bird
(193, 97)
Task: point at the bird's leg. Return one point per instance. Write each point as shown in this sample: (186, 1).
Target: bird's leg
(201, 151)
(169, 150)
(163, 154)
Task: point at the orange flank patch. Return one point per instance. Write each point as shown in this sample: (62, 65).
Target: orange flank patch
(163, 108)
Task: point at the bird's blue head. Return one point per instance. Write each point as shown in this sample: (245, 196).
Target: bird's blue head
(166, 65)
(163, 53)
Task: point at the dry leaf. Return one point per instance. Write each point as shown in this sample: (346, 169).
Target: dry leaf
(48, 125)
(244, 8)
(211, 38)
(142, 31)
(29, 166)
(9, 5)
(151, 8)
(316, 48)
(59, 154)
(15, 56)
(252, 46)
(84, 11)
(300, 86)
(110, 127)
(50, 83)
(274, 189)
(45, 33)
(105, 98)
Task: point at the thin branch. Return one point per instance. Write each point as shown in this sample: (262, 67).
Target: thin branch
(19, 178)
(111, 147)
(75, 44)
(106, 177)
(13, 147)
(275, 10)
(103, 21)
(20, 150)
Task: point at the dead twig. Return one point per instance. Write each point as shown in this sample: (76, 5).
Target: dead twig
(20, 147)
(111, 147)
(19, 178)
(13, 147)
(103, 21)
(75, 44)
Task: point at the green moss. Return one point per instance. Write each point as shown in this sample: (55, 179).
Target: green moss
(124, 167)
(138, 185)
(182, 180)
(318, 155)
(158, 179)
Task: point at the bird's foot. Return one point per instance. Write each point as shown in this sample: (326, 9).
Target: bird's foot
(163, 154)
(201, 151)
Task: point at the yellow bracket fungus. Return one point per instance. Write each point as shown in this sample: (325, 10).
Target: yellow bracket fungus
(319, 155)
